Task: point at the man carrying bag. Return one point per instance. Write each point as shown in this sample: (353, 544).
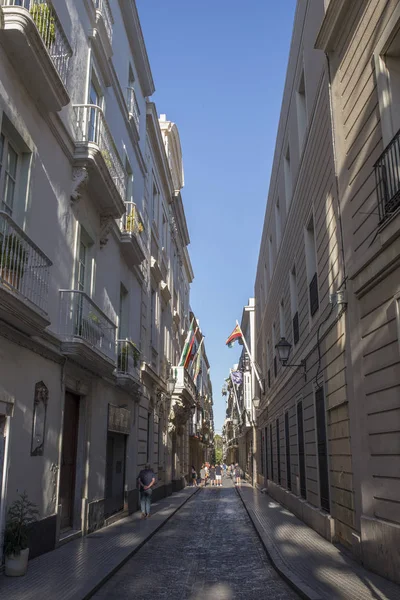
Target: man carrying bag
(146, 481)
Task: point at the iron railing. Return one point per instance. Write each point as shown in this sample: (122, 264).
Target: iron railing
(81, 318)
(24, 268)
(296, 331)
(387, 177)
(91, 126)
(133, 107)
(131, 221)
(104, 10)
(50, 30)
(314, 300)
(128, 358)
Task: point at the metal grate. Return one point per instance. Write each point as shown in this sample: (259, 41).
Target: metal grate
(287, 441)
(300, 441)
(387, 177)
(296, 332)
(314, 300)
(322, 449)
(278, 451)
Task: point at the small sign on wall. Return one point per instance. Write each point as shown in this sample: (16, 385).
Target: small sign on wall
(119, 419)
(39, 419)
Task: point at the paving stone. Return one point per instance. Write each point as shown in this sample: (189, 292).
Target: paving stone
(318, 569)
(208, 551)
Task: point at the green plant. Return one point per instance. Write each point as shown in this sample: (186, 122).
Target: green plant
(13, 255)
(107, 159)
(124, 353)
(94, 318)
(43, 16)
(20, 515)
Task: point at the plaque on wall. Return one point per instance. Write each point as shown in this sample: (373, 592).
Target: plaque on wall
(39, 419)
(119, 419)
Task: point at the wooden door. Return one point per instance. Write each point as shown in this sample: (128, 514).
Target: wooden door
(115, 473)
(68, 459)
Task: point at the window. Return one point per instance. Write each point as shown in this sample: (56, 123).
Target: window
(271, 447)
(270, 257)
(82, 258)
(300, 443)
(301, 111)
(311, 267)
(274, 342)
(262, 451)
(149, 435)
(247, 390)
(278, 223)
(278, 451)
(288, 179)
(128, 181)
(164, 231)
(123, 313)
(85, 267)
(322, 449)
(8, 174)
(96, 99)
(266, 453)
(155, 207)
(287, 441)
(282, 328)
(268, 362)
(294, 305)
(153, 317)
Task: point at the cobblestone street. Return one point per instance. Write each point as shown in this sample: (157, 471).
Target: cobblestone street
(207, 551)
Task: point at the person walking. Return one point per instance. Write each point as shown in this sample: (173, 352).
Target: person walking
(146, 481)
(194, 477)
(203, 476)
(218, 475)
(224, 469)
(237, 474)
(232, 471)
(212, 475)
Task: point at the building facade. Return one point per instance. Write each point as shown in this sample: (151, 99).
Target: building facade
(94, 269)
(327, 282)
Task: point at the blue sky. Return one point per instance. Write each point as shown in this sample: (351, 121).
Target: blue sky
(219, 69)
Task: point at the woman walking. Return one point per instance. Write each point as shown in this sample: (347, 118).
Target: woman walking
(212, 475)
(237, 475)
(194, 477)
(203, 476)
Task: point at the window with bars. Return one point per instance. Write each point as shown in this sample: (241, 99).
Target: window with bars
(300, 443)
(322, 449)
(287, 442)
(278, 451)
(271, 447)
(9, 160)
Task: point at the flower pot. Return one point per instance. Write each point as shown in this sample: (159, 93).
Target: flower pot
(17, 564)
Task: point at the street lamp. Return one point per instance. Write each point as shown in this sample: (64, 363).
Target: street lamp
(283, 348)
(171, 382)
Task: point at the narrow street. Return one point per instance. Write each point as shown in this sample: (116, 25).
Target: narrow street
(207, 551)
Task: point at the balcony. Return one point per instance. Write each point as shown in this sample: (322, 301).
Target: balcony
(184, 387)
(156, 268)
(88, 335)
(387, 176)
(131, 226)
(313, 291)
(165, 291)
(104, 22)
(95, 151)
(24, 279)
(133, 109)
(34, 41)
(128, 366)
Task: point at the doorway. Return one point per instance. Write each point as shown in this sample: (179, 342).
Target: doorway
(115, 473)
(68, 459)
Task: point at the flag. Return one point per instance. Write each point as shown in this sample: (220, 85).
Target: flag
(237, 377)
(186, 347)
(197, 364)
(235, 335)
(190, 353)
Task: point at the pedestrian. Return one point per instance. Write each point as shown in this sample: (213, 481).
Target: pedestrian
(146, 481)
(224, 468)
(232, 471)
(237, 474)
(194, 477)
(212, 475)
(203, 476)
(218, 475)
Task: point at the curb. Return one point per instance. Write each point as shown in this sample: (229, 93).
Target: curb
(277, 562)
(108, 576)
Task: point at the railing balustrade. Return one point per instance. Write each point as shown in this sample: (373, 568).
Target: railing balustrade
(91, 126)
(128, 358)
(387, 176)
(314, 300)
(50, 30)
(24, 268)
(131, 221)
(133, 107)
(81, 318)
(103, 7)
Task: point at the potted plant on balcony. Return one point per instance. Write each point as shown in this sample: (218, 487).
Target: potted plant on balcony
(123, 356)
(13, 257)
(21, 514)
(43, 17)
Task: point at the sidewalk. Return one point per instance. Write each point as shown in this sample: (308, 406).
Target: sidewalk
(315, 568)
(76, 570)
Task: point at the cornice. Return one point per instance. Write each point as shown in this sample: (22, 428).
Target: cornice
(157, 145)
(136, 42)
(332, 24)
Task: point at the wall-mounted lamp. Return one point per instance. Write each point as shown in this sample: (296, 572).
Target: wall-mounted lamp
(284, 347)
(256, 402)
(171, 382)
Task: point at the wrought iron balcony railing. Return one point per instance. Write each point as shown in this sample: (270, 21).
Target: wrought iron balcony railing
(91, 126)
(104, 10)
(296, 331)
(24, 268)
(133, 107)
(128, 358)
(50, 30)
(314, 300)
(81, 318)
(387, 176)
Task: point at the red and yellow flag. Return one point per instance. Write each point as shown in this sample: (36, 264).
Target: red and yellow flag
(235, 335)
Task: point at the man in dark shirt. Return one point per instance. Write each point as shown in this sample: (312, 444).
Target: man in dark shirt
(146, 481)
(218, 475)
